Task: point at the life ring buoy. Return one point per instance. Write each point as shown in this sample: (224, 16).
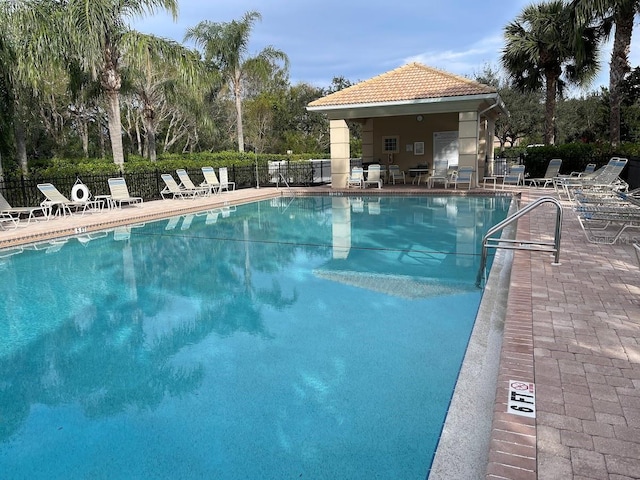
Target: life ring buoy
(79, 193)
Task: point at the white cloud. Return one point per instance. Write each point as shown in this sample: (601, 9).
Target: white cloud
(466, 61)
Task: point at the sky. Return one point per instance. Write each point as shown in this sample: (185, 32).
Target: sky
(359, 39)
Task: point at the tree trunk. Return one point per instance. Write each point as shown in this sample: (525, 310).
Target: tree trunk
(148, 116)
(619, 65)
(550, 108)
(115, 127)
(111, 82)
(21, 144)
(237, 93)
(83, 131)
(139, 141)
(101, 136)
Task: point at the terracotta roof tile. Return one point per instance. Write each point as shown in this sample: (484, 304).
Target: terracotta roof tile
(413, 81)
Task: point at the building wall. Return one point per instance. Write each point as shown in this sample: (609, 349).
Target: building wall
(366, 134)
(409, 130)
(473, 141)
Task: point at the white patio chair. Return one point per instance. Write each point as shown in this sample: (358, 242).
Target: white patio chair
(224, 180)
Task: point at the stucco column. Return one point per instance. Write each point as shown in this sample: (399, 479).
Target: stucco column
(468, 142)
(340, 153)
(491, 134)
(483, 145)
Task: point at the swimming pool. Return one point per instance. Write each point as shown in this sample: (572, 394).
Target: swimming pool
(310, 337)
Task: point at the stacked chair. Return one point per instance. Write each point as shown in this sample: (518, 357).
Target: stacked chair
(604, 179)
(604, 206)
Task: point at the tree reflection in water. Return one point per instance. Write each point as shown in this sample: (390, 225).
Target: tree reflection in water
(228, 306)
(110, 349)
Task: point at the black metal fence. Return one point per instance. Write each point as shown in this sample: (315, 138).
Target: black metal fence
(23, 191)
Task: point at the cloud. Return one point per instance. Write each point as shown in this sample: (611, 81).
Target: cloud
(465, 61)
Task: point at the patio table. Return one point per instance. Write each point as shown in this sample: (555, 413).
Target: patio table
(420, 172)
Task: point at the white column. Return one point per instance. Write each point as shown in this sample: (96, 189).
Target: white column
(468, 142)
(340, 153)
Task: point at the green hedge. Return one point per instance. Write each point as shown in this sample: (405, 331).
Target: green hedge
(164, 163)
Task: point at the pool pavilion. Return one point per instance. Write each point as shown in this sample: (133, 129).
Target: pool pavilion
(415, 117)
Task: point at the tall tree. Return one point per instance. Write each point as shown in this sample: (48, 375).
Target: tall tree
(525, 110)
(98, 31)
(23, 65)
(156, 65)
(541, 51)
(226, 47)
(622, 14)
(94, 33)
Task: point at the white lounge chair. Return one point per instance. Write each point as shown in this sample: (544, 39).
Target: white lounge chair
(462, 175)
(30, 212)
(7, 218)
(210, 180)
(55, 199)
(356, 178)
(596, 220)
(440, 174)
(173, 190)
(373, 176)
(120, 193)
(187, 184)
(590, 168)
(515, 177)
(396, 174)
(224, 180)
(553, 169)
(605, 178)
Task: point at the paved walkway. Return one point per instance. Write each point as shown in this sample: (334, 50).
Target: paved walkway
(573, 330)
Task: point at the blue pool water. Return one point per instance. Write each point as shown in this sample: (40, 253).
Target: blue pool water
(314, 338)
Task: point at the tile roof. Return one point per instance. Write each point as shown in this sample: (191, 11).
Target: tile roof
(413, 81)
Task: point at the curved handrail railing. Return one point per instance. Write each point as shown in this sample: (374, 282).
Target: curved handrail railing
(514, 244)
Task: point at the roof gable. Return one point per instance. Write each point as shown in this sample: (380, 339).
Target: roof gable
(413, 81)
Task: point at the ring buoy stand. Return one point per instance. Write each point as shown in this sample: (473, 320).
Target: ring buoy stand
(79, 193)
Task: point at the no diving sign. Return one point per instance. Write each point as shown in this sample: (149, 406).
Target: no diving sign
(522, 398)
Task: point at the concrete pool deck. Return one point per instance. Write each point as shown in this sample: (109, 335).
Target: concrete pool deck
(572, 329)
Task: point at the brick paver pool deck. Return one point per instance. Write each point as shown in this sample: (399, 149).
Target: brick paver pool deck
(572, 329)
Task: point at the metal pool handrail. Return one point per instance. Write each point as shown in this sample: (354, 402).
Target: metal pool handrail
(515, 244)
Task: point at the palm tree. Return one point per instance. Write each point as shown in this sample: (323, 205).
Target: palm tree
(622, 14)
(6, 100)
(98, 31)
(23, 65)
(541, 48)
(93, 33)
(225, 49)
(156, 66)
